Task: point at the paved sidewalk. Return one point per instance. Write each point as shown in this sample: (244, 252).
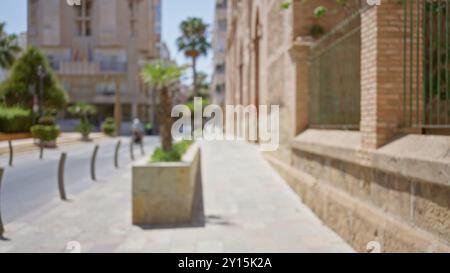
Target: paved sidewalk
(247, 207)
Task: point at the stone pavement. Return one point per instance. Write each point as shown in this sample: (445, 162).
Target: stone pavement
(246, 207)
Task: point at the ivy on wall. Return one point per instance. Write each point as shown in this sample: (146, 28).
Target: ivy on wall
(316, 29)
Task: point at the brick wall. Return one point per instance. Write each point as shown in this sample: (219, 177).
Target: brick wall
(361, 202)
(381, 73)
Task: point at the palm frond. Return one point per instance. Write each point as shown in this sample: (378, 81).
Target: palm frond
(8, 48)
(162, 74)
(82, 109)
(194, 37)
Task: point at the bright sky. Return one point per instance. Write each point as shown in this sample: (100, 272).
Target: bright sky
(14, 13)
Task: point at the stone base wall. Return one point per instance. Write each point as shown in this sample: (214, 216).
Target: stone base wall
(363, 203)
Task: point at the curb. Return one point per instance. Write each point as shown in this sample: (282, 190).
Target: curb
(31, 147)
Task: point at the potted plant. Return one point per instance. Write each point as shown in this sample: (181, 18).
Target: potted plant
(83, 111)
(164, 187)
(108, 127)
(46, 132)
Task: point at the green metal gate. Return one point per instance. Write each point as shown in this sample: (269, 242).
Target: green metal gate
(335, 78)
(426, 95)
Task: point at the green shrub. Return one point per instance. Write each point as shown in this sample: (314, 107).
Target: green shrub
(320, 11)
(175, 155)
(15, 90)
(15, 120)
(108, 127)
(162, 156)
(83, 110)
(149, 126)
(84, 128)
(285, 4)
(191, 104)
(182, 146)
(45, 132)
(316, 31)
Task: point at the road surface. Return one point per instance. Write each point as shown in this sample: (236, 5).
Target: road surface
(32, 183)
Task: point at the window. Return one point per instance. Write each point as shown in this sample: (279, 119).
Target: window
(220, 45)
(222, 25)
(221, 4)
(79, 29)
(83, 18)
(106, 88)
(220, 88)
(88, 8)
(111, 62)
(88, 29)
(220, 68)
(54, 63)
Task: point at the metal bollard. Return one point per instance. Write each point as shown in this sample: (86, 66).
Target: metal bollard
(41, 151)
(142, 147)
(132, 150)
(93, 160)
(62, 190)
(116, 155)
(11, 153)
(2, 229)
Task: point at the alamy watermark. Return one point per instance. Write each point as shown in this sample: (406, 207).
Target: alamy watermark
(373, 2)
(252, 123)
(73, 247)
(73, 2)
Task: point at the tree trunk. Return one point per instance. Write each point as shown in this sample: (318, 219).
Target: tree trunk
(155, 121)
(165, 119)
(118, 108)
(194, 75)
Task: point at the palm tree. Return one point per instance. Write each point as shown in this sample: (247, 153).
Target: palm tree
(162, 76)
(194, 43)
(8, 48)
(203, 84)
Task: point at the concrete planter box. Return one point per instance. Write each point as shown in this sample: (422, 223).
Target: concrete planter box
(163, 193)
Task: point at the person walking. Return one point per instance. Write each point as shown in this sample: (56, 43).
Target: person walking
(137, 131)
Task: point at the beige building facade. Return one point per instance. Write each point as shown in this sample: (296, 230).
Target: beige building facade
(358, 142)
(97, 48)
(219, 43)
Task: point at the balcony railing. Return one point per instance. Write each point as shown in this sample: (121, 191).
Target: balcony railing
(79, 68)
(88, 68)
(108, 66)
